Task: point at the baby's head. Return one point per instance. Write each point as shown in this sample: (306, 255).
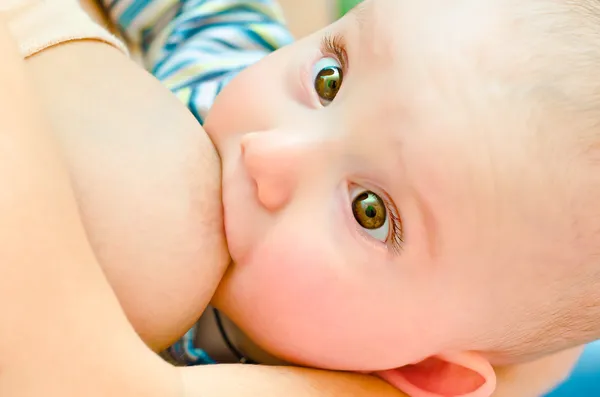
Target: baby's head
(417, 180)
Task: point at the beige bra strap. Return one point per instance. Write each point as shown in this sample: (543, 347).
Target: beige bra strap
(40, 24)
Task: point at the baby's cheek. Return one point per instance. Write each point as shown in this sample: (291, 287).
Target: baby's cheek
(295, 280)
(296, 302)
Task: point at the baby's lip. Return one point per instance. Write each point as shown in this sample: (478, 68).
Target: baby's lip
(237, 206)
(231, 161)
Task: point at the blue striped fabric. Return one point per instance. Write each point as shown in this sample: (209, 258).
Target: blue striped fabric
(195, 47)
(185, 353)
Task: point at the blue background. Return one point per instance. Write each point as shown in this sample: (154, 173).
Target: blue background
(585, 380)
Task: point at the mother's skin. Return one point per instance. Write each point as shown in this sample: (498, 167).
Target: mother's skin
(146, 178)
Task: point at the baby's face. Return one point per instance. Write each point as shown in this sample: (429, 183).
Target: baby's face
(383, 199)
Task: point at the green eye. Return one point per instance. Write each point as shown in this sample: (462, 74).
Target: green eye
(328, 82)
(369, 211)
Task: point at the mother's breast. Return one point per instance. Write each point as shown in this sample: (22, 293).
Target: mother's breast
(147, 179)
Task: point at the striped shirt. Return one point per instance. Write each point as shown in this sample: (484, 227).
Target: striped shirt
(195, 47)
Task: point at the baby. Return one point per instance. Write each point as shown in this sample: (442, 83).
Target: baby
(341, 263)
(410, 192)
(416, 181)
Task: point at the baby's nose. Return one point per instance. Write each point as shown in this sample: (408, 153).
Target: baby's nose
(273, 159)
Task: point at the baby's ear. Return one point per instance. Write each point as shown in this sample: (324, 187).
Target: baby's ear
(446, 375)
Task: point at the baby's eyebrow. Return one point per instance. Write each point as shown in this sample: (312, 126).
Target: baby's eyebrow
(375, 37)
(359, 14)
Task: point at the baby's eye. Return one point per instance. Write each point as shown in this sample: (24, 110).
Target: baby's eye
(371, 214)
(328, 77)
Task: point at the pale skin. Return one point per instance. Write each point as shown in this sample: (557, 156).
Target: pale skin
(46, 70)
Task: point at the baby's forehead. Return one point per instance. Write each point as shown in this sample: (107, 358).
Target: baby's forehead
(403, 28)
(487, 35)
(411, 46)
(414, 56)
(468, 50)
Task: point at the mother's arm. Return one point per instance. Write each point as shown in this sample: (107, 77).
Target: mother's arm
(248, 380)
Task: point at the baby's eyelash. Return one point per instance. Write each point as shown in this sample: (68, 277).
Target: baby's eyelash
(334, 44)
(397, 232)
